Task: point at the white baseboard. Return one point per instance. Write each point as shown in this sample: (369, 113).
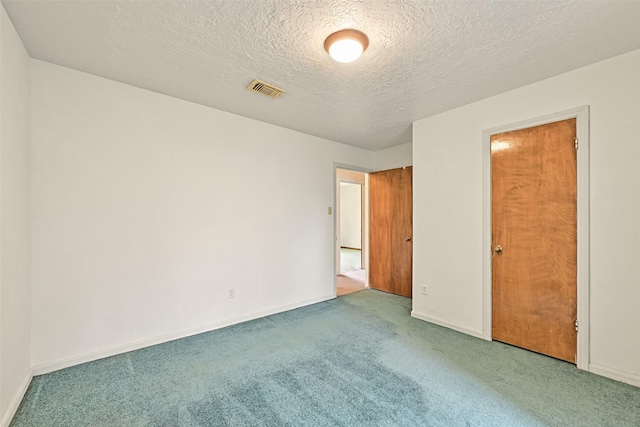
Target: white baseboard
(112, 351)
(15, 403)
(427, 318)
(614, 374)
(594, 368)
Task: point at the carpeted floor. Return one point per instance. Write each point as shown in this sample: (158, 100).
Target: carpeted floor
(359, 360)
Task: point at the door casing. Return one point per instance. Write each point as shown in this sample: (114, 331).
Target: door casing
(582, 130)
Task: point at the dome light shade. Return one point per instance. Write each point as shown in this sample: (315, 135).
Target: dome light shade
(346, 45)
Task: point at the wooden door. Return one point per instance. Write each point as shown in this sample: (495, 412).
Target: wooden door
(390, 231)
(533, 205)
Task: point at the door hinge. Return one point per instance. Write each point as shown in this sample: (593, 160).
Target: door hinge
(576, 142)
(576, 323)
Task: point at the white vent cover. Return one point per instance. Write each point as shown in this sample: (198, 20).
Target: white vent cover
(265, 88)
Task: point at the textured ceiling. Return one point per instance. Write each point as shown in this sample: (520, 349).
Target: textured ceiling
(424, 57)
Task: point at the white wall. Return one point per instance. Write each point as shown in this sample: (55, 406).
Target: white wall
(447, 157)
(147, 208)
(351, 215)
(15, 361)
(393, 158)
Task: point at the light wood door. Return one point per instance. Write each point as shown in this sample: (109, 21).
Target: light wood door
(533, 205)
(390, 231)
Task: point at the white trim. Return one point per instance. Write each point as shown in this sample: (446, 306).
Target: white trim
(582, 130)
(583, 244)
(614, 374)
(17, 399)
(112, 351)
(427, 318)
(487, 244)
(337, 257)
(365, 229)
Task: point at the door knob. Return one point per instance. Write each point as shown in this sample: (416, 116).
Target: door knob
(498, 249)
(407, 239)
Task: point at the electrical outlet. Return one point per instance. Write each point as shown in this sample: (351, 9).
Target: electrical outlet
(232, 292)
(425, 290)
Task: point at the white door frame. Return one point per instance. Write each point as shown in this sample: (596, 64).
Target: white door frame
(582, 128)
(336, 220)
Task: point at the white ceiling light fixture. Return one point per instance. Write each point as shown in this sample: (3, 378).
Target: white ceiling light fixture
(346, 45)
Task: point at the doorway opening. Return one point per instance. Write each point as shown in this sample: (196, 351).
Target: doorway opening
(351, 236)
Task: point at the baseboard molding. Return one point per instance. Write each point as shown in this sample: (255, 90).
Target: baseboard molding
(427, 318)
(112, 351)
(614, 374)
(15, 403)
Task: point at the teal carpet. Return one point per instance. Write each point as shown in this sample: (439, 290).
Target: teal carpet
(359, 360)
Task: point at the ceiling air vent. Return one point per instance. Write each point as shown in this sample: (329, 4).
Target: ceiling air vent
(265, 88)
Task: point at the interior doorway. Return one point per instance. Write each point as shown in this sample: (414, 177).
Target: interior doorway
(566, 161)
(533, 205)
(351, 221)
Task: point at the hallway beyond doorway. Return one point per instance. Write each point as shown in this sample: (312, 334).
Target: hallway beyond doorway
(352, 276)
(350, 259)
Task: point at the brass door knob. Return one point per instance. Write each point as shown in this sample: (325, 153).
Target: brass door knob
(498, 249)
(407, 239)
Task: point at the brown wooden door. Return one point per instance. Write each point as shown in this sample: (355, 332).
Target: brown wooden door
(390, 231)
(533, 205)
